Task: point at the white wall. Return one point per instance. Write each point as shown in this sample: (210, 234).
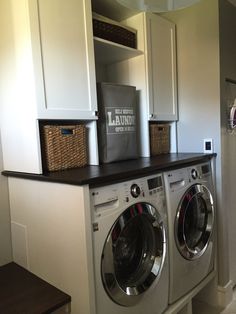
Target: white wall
(228, 94)
(5, 232)
(198, 58)
(198, 75)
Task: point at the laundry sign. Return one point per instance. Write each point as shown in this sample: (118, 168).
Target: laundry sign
(120, 120)
(117, 122)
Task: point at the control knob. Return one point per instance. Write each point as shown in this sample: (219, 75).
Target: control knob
(135, 190)
(194, 174)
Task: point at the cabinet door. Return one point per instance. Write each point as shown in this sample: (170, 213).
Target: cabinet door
(64, 59)
(161, 59)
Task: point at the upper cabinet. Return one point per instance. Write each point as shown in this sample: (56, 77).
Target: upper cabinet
(63, 55)
(47, 72)
(50, 62)
(161, 68)
(156, 38)
(153, 73)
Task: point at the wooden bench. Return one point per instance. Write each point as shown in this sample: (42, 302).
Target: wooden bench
(21, 292)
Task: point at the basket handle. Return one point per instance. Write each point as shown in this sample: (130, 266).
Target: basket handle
(65, 131)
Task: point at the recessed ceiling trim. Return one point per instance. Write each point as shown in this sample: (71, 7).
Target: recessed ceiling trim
(157, 5)
(233, 2)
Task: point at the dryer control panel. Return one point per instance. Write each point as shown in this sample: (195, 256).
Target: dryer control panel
(179, 179)
(200, 171)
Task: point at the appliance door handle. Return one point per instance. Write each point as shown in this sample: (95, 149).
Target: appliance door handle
(177, 184)
(111, 204)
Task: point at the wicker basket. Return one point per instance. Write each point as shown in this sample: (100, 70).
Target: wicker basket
(159, 139)
(65, 146)
(113, 31)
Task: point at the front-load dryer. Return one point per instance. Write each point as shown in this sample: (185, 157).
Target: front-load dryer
(189, 194)
(130, 247)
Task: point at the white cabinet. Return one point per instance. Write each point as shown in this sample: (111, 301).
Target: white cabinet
(62, 40)
(153, 73)
(51, 237)
(47, 72)
(156, 37)
(161, 68)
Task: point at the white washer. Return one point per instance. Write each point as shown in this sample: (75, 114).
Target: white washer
(189, 194)
(130, 247)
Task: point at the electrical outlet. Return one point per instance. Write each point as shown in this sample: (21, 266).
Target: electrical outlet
(208, 145)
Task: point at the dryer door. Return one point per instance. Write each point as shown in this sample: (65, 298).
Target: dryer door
(194, 222)
(133, 254)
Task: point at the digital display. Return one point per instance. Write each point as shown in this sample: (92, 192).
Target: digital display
(205, 169)
(154, 183)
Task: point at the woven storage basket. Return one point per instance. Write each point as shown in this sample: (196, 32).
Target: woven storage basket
(113, 31)
(159, 139)
(65, 146)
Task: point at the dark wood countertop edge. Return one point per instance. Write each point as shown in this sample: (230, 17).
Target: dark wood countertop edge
(148, 170)
(58, 306)
(106, 178)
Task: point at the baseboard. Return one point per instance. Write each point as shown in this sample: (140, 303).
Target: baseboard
(225, 294)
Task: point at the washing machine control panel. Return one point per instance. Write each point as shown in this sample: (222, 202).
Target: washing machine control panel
(147, 186)
(107, 199)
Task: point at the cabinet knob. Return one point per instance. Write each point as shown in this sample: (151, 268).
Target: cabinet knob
(151, 116)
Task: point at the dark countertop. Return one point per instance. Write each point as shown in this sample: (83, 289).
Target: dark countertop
(22, 292)
(118, 171)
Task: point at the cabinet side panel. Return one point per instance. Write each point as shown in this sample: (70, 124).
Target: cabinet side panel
(57, 219)
(20, 140)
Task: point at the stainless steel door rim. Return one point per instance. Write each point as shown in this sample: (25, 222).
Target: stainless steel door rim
(133, 254)
(194, 222)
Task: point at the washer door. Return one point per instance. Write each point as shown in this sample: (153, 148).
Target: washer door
(133, 254)
(194, 222)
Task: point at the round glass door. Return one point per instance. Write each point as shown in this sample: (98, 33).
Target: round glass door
(133, 254)
(194, 222)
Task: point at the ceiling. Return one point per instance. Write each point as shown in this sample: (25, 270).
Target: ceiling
(115, 11)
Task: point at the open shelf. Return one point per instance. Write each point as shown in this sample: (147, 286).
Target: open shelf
(107, 52)
(112, 9)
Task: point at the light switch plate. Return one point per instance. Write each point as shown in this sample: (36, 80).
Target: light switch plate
(208, 145)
